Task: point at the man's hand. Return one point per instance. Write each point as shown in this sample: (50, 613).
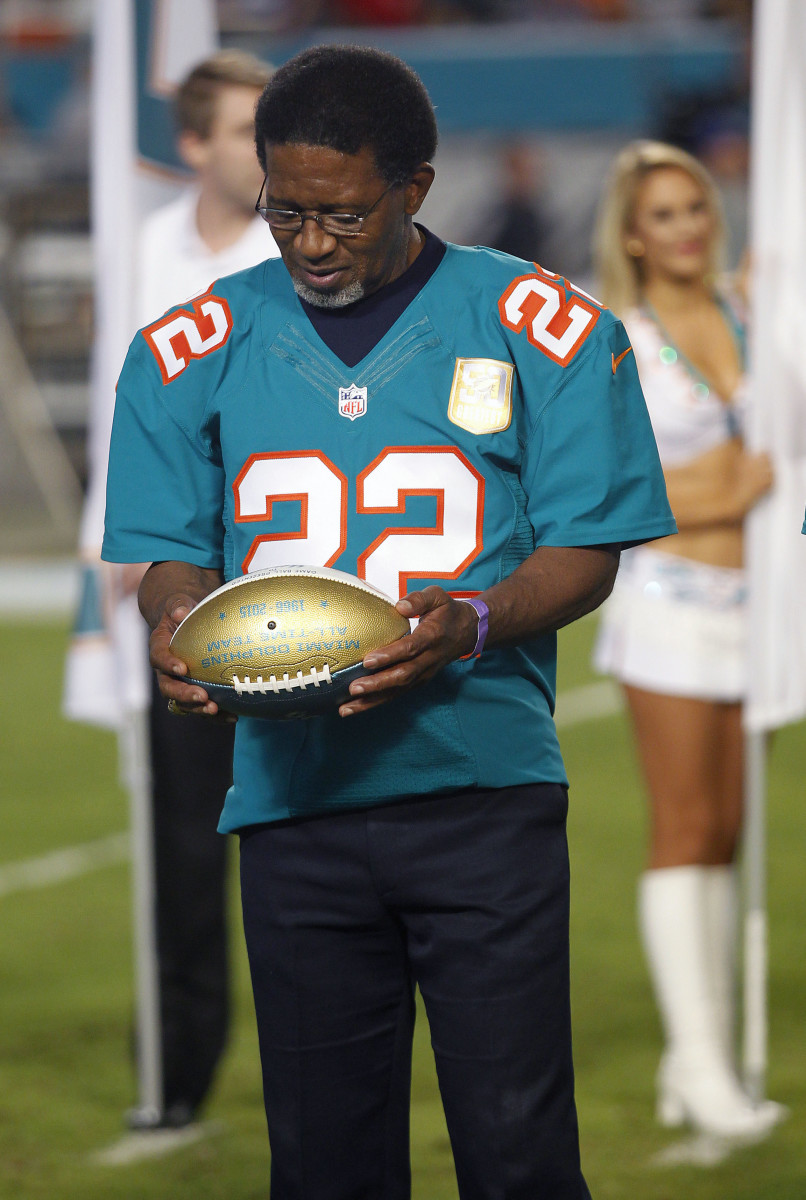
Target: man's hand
(554, 586)
(168, 592)
(447, 629)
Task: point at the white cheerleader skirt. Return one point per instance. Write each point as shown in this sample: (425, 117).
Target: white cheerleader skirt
(675, 626)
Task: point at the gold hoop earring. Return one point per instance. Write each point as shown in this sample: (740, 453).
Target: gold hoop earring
(635, 247)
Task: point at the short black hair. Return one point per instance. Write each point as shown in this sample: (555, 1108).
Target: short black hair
(349, 98)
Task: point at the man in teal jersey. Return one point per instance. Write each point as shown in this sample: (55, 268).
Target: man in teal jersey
(452, 425)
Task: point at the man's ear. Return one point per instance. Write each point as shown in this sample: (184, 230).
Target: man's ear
(417, 187)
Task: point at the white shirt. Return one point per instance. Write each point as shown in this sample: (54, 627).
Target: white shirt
(173, 263)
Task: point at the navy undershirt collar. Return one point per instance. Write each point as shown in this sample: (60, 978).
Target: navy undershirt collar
(353, 331)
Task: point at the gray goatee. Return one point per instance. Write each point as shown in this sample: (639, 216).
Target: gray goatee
(348, 295)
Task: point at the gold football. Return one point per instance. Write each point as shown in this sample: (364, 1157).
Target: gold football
(285, 642)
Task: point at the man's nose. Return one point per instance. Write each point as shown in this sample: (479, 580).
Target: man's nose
(313, 242)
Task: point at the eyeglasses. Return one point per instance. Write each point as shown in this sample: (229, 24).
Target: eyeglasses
(288, 220)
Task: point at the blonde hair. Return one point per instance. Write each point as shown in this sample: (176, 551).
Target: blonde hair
(619, 274)
(196, 96)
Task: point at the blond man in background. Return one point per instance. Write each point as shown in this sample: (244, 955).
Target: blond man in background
(212, 228)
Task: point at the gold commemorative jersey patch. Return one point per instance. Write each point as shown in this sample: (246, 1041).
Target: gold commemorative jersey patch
(481, 395)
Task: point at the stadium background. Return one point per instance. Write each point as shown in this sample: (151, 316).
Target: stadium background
(548, 90)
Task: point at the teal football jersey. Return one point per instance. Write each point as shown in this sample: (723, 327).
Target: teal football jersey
(502, 411)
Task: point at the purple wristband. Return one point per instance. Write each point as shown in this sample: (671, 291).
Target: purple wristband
(483, 614)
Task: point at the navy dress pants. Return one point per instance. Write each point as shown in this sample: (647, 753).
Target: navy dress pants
(465, 896)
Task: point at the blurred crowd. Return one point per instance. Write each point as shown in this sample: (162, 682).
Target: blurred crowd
(48, 18)
(290, 14)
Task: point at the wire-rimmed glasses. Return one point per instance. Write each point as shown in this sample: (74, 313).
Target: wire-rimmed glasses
(338, 224)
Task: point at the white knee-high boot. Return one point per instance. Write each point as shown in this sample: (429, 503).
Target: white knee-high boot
(696, 1082)
(721, 931)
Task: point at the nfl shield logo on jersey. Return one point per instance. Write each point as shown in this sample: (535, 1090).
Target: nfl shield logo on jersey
(352, 401)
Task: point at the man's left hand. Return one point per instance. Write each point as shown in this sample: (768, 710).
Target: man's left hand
(447, 629)
(552, 587)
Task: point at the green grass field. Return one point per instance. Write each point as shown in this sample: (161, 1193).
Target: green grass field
(66, 979)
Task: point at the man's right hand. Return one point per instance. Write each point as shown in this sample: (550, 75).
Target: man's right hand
(168, 592)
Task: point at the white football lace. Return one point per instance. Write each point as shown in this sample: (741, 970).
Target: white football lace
(287, 683)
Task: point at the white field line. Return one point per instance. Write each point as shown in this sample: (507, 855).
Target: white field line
(575, 706)
(153, 1143)
(60, 865)
(588, 703)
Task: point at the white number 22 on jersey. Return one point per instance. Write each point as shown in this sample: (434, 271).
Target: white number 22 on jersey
(441, 551)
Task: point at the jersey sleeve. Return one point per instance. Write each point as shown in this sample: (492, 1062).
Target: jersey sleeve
(591, 469)
(165, 489)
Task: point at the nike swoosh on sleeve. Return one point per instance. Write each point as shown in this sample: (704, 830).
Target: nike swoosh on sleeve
(615, 361)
